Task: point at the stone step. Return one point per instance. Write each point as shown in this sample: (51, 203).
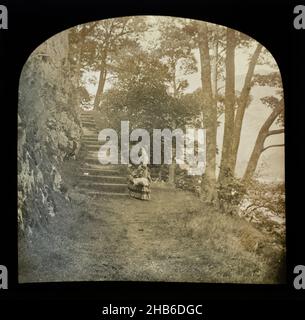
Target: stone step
(90, 140)
(93, 151)
(92, 147)
(91, 137)
(87, 133)
(88, 124)
(92, 160)
(93, 156)
(95, 193)
(102, 172)
(89, 129)
(106, 187)
(104, 167)
(104, 178)
(87, 113)
(95, 143)
(87, 119)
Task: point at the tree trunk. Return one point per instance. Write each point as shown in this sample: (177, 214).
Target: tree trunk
(172, 167)
(175, 91)
(171, 173)
(226, 162)
(242, 105)
(103, 70)
(209, 182)
(84, 33)
(259, 144)
(78, 73)
(100, 88)
(210, 174)
(102, 80)
(215, 70)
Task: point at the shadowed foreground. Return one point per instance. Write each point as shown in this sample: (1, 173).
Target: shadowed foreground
(108, 238)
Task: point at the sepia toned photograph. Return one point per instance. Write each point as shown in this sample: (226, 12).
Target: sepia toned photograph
(151, 148)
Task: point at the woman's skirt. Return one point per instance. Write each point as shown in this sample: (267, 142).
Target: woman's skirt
(139, 188)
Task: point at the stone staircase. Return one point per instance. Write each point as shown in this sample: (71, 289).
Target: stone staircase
(96, 178)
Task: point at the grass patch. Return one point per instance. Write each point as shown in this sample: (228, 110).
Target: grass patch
(236, 251)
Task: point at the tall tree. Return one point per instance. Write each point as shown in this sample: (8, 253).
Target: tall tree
(208, 40)
(236, 104)
(209, 106)
(277, 115)
(175, 50)
(226, 160)
(77, 47)
(242, 104)
(111, 36)
(97, 44)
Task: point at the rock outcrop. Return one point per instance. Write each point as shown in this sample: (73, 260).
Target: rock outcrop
(49, 131)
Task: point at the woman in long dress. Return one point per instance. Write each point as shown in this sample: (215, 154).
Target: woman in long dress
(139, 178)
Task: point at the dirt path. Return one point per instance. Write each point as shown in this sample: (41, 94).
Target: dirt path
(150, 246)
(111, 239)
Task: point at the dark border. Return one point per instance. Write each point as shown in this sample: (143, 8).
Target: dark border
(269, 22)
